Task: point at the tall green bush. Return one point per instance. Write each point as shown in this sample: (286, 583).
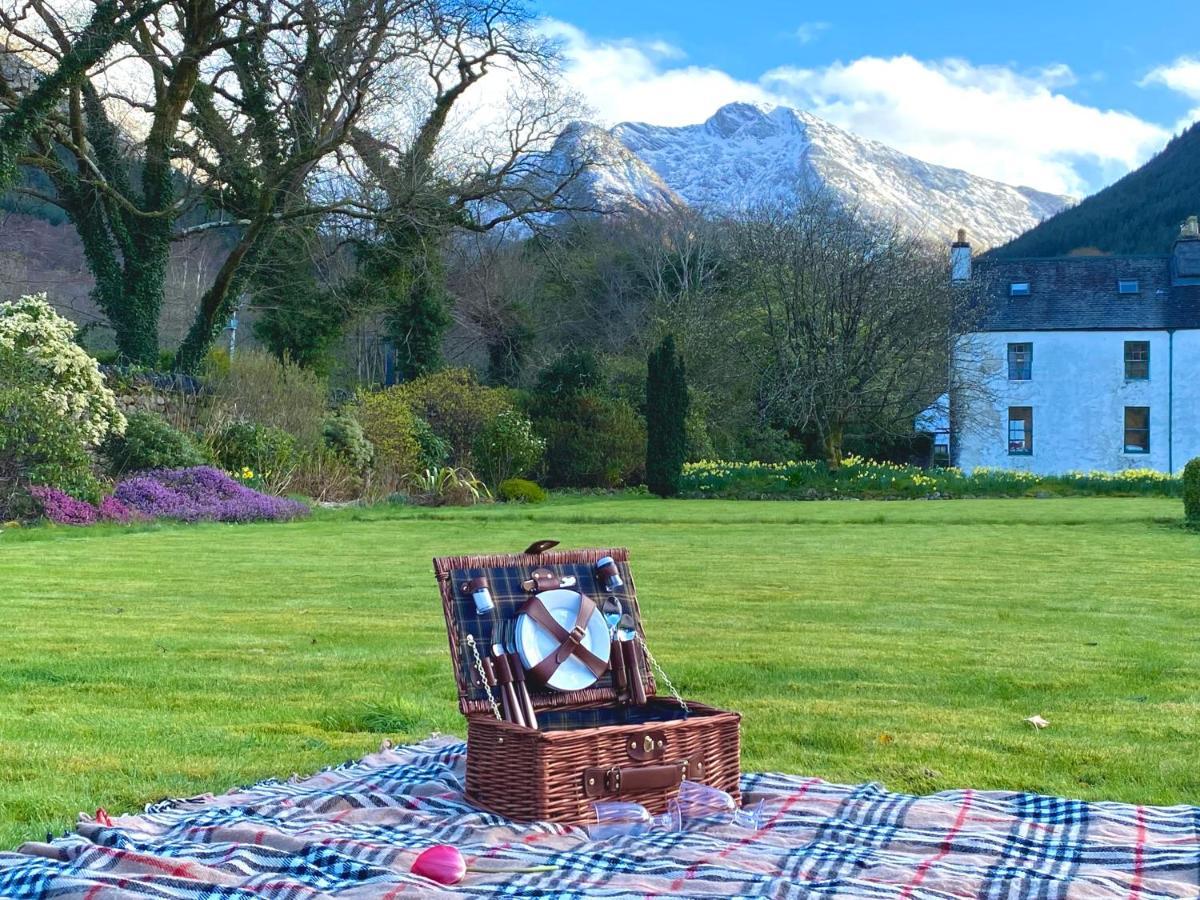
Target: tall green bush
(39, 446)
(345, 437)
(38, 348)
(1191, 491)
(590, 441)
(253, 386)
(393, 429)
(54, 406)
(456, 406)
(507, 448)
(268, 452)
(666, 419)
(149, 442)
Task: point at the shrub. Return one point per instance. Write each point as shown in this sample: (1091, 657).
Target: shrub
(456, 406)
(325, 475)
(253, 386)
(39, 446)
(862, 478)
(202, 494)
(1191, 491)
(268, 453)
(434, 451)
(37, 348)
(507, 448)
(521, 490)
(63, 509)
(345, 437)
(571, 373)
(666, 419)
(149, 442)
(392, 428)
(446, 486)
(591, 442)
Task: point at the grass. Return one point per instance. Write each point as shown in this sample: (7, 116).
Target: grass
(900, 642)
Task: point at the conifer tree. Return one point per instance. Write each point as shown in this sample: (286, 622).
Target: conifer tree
(666, 413)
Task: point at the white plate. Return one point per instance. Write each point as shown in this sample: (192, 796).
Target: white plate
(534, 643)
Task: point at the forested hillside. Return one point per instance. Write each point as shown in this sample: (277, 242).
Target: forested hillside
(1138, 214)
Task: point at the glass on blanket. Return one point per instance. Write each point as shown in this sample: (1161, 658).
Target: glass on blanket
(618, 818)
(700, 806)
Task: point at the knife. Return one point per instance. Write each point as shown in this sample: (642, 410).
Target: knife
(508, 633)
(505, 677)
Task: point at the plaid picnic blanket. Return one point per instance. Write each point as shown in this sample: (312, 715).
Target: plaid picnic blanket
(353, 831)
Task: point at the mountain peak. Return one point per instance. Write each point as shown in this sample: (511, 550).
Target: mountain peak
(753, 120)
(748, 154)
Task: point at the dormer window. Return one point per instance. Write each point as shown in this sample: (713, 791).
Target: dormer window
(1128, 286)
(1018, 289)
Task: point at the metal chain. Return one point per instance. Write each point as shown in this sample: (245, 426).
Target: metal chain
(483, 677)
(665, 677)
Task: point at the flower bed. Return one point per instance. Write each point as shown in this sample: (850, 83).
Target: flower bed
(201, 494)
(861, 478)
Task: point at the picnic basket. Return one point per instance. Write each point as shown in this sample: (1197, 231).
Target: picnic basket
(591, 744)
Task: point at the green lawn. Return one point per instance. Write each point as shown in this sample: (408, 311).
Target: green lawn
(903, 642)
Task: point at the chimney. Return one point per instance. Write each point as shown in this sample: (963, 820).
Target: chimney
(960, 258)
(1185, 255)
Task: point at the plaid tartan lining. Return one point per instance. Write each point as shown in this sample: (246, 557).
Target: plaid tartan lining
(352, 832)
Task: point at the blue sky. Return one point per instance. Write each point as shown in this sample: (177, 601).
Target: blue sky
(1064, 96)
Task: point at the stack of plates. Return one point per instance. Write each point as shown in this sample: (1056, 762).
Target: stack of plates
(534, 643)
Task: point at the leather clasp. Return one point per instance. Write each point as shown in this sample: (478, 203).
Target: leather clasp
(646, 746)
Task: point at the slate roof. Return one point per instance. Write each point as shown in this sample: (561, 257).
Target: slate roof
(1079, 293)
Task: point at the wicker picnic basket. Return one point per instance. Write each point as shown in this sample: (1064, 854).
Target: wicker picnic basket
(591, 744)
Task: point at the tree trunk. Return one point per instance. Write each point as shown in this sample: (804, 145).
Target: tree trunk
(833, 447)
(216, 303)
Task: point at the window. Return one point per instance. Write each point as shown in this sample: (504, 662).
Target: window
(1018, 289)
(1128, 286)
(1137, 429)
(1137, 360)
(1020, 362)
(1020, 430)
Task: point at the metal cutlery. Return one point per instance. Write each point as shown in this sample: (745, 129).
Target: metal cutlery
(513, 709)
(508, 635)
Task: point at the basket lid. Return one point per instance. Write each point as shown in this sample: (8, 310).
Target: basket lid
(504, 575)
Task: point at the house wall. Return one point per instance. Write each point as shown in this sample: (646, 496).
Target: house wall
(1078, 393)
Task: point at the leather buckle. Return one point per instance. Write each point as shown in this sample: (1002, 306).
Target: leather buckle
(612, 780)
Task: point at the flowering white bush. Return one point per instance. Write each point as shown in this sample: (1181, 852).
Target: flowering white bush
(39, 344)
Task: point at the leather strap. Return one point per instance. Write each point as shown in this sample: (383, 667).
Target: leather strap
(541, 580)
(616, 780)
(569, 642)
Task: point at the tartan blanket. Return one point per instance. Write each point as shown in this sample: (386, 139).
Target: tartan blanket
(352, 832)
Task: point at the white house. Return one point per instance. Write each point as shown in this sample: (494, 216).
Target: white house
(1081, 362)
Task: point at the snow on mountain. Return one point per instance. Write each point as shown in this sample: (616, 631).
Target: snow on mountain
(747, 154)
(614, 179)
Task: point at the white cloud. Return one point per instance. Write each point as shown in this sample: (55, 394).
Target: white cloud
(1182, 76)
(990, 120)
(808, 32)
(646, 81)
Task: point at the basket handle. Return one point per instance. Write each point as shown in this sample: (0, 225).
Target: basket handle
(616, 781)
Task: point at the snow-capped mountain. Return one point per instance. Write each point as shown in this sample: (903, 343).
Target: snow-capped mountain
(749, 154)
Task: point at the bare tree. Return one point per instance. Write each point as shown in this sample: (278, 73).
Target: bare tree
(858, 316)
(245, 115)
